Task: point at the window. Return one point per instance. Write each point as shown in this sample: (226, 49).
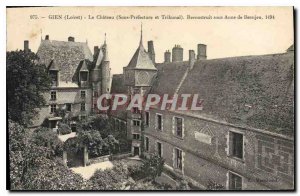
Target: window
(53, 95)
(82, 106)
(135, 110)
(159, 122)
(136, 123)
(68, 107)
(82, 94)
(52, 108)
(178, 159)
(236, 145)
(159, 149)
(83, 117)
(178, 127)
(95, 94)
(147, 144)
(147, 115)
(136, 136)
(235, 181)
(84, 76)
(53, 76)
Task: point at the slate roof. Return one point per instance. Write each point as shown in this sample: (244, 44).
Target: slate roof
(66, 55)
(291, 48)
(141, 59)
(251, 91)
(118, 87)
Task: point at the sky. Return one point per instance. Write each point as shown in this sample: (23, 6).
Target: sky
(223, 37)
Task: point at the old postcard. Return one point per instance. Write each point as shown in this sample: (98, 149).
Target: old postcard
(150, 98)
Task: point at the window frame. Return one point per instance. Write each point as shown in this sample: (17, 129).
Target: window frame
(161, 149)
(70, 104)
(176, 163)
(231, 145)
(83, 92)
(55, 95)
(138, 123)
(53, 107)
(147, 144)
(175, 128)
(156, 122)
(147, 118)
(229, 177)
(81, 107)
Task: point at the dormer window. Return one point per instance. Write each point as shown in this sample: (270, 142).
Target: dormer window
(83, 76)
(54, 77)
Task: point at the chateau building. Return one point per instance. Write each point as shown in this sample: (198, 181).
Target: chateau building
(243, 136)
(78, 78)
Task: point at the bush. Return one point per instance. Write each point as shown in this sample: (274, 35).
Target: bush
(64, 129)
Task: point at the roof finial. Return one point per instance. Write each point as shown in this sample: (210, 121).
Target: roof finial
(141, 41)
(104, 38)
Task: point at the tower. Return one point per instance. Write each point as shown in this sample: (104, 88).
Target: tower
(100, 78)
(138, 78)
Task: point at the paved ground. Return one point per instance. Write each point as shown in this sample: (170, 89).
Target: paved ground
(88, 171)
(64, 138)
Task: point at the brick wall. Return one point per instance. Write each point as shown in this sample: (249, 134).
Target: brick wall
(267, 158)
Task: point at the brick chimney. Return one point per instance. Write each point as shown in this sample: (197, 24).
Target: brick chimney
(167, 56)
(151, 51)
(201, 52)
(192, 58)
(177, 53)
(26, 46)
(71, 39)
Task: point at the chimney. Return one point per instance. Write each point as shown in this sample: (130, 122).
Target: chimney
(26, 46)
(96, 51)
(191, 58)
(47, 37)
(151, 51)
(167, 56)
(71, 39)
(201, 52)
(177, 53)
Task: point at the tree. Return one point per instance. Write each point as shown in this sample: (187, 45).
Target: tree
(153, 167)
(17, 145)
(110, 179)
(26, 82)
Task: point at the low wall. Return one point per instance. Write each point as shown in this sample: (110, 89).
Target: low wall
(99, 159)
(120, 156)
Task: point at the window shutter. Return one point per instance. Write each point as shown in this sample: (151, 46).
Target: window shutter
(182, 162)
(173, 158)
(183, 128)
(162, 123)
(173, 125)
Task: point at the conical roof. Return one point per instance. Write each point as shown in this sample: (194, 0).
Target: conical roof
(141, 59)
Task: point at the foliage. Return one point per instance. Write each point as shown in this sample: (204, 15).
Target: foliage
(34, 164)
(111, 179)
(212, 185)
(51, 174)
(47, 138)
(64, 129)
(153, 167)
(93, 140)
(26, 82)
(17, 144)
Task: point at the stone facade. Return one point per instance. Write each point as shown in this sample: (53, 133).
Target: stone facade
(267, 161)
